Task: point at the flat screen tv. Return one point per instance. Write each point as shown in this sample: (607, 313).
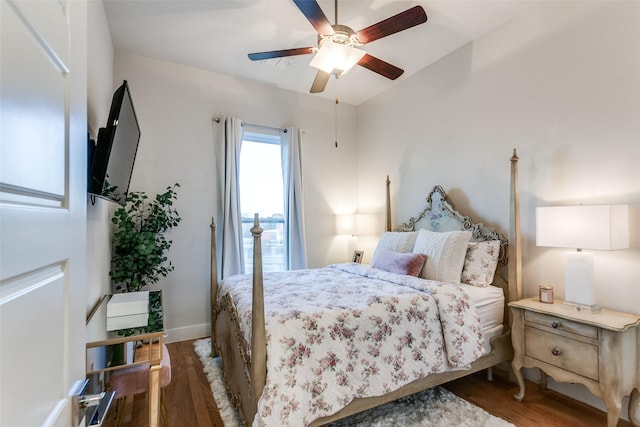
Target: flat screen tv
(115, 149)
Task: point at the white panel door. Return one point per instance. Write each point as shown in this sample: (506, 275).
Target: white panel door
(43, 143)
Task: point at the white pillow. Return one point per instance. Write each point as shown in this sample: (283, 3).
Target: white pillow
(480, 263)
(397, 241)
(445, 254)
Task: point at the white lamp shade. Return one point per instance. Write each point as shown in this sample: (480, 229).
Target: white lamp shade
(598, 227)
(365, 224)
(355, 224)
(336, 58)
(346, 224)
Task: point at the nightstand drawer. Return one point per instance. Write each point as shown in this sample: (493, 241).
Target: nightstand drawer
(571, 355)
(561, 324)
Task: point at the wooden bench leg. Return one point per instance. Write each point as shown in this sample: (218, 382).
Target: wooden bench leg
(163, 408)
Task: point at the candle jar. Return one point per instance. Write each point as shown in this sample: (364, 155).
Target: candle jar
(545, 294)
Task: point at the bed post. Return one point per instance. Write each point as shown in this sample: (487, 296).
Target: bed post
(387, 226)
(213, 285)
(515, 245)
(258, 331)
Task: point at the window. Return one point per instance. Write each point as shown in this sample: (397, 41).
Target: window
(261, 191)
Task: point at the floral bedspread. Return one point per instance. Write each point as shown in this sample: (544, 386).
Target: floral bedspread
(347, 331)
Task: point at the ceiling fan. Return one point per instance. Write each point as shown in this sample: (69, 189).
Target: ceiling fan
(343, 38)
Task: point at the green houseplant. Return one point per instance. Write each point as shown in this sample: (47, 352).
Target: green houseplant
(139, 244)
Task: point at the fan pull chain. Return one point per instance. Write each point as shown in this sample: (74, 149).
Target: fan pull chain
(336, 111)
(337, 122)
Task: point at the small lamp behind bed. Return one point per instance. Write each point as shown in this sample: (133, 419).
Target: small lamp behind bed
(598, 227)
(354, 225)
(346, 224)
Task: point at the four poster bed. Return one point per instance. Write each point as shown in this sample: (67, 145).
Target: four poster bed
(308, 347)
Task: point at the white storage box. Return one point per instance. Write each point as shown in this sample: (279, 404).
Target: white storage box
(128, 303)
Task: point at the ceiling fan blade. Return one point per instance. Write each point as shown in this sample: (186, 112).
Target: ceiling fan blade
(315, 15)
(407, 19)
(320, 82)
(280, 53)
(381, 67)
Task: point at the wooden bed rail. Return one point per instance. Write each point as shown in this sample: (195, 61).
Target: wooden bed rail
(387, 225)
(258, 372)
(258, 332)
(515, 244)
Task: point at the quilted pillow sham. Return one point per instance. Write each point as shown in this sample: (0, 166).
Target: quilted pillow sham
(401, 263)
(480, 263)
(445, 254)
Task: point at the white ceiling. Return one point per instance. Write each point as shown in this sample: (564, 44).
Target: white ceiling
(217, 35)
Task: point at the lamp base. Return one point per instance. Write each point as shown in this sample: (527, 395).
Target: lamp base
(578, 284)
(593, 308)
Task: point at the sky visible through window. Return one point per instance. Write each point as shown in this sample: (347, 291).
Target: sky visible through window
(260, 180)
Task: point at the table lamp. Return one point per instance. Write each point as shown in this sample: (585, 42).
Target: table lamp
(346, 224)
(595, 227)
(354, 225)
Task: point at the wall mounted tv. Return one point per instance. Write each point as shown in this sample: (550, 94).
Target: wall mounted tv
(115, 149)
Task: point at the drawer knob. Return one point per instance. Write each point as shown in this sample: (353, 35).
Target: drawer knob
(556, 352)
(555, 324)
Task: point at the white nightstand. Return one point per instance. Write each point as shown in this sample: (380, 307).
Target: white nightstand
(597, 350)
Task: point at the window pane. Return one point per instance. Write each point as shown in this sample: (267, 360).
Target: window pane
(261, 191)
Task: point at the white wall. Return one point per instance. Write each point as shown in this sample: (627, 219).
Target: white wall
(175, 106)
(99, 92)
(100, 63)
(561, 84)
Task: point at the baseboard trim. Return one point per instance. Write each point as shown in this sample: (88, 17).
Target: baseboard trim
(188, 333)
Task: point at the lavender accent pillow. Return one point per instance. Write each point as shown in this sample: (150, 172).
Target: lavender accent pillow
(400, 263)
(397, 241)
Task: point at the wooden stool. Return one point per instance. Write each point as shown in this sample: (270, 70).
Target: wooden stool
(135, 380)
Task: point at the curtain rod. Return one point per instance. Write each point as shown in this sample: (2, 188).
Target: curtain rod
(217, 120)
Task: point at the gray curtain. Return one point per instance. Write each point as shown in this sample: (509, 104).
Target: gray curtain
(228, 142)
(294, 232)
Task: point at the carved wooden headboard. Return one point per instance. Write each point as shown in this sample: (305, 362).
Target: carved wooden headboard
(439, 215)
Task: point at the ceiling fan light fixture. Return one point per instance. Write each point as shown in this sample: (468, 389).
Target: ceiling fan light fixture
(336, 58)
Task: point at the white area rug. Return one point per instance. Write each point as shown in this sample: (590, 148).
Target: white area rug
(436, 407)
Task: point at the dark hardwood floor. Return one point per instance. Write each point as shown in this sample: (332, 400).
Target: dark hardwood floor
(191, 404)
